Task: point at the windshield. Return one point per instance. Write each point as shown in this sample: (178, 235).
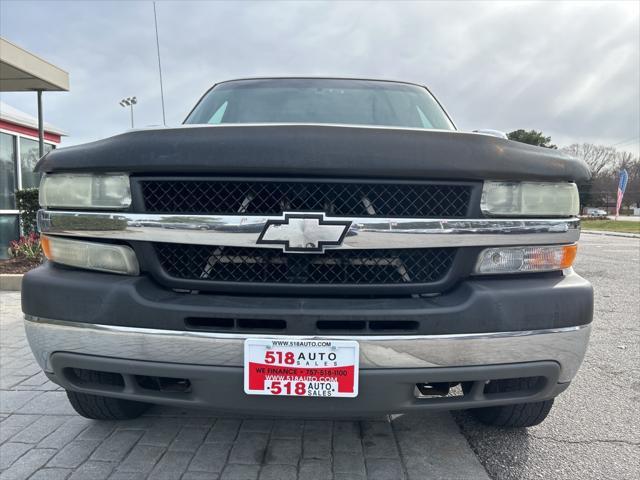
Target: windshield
(329, 101)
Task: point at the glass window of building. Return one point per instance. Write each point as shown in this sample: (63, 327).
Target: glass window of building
(7, 172)
(29, 156)
(19, 154)
(9, 225)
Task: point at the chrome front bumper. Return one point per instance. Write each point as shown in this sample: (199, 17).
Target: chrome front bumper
(566, 346)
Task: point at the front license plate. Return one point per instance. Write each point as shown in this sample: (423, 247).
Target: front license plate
(301, 368)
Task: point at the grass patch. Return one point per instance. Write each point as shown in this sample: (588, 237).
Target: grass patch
(624, 226)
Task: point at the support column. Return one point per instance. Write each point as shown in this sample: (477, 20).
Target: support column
(40, 126)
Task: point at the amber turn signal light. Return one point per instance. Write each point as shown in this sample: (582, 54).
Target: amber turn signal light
(526, 259)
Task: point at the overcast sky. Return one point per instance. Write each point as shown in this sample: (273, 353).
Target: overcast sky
(569, 69)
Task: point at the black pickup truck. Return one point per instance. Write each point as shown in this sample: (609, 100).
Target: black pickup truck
(310, 247)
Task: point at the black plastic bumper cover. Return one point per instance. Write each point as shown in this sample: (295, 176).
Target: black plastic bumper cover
(478, 305)
(381, 391)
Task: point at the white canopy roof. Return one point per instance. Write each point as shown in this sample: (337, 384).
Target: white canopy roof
(22, 71)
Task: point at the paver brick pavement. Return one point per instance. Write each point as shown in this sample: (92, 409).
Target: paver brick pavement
(42, 438)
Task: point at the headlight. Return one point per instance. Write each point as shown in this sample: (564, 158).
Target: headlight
(104, 257)
(526, 259)
(514, 199)
(84, 190)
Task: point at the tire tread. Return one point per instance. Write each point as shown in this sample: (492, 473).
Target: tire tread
(97, 407)
(517, 415)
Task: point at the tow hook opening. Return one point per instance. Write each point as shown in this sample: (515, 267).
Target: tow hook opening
(433, 389)
(164, 384)
(117, 382)
(481, 389)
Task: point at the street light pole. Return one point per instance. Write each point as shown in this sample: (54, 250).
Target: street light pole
(129, 102)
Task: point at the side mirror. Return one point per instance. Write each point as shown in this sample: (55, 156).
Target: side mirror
(492, 133)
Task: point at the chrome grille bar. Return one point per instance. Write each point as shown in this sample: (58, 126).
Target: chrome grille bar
(364, 233)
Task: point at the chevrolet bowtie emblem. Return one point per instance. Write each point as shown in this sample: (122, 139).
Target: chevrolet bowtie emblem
(304, 232)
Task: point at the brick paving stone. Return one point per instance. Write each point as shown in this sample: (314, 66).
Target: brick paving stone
(11, 401)
(16, 420)
(316, 440)
(161, 433)
(13, 424)
(10, 452)
(316, 446)
(127, 476)
(51, 474)
(23, 368)
(240, 472)
(171, 466)
(346, 437)
(210, 457)
(257, 425)
(189, 438)
(140, 423)
(36, 380)
(283, 451)
(288, 429)
(318, 427)
(98, 431)
(54, 403)
(278, 472)
(348, 463)
(28, 464)
(20, 362)
(249, 448)
(420, 454)
(384, 469)
(114, 448)
(93, 471)
(49, 386)
(198, 421)
(224, 430)
(189, 416)
(312, 469)
(378, 440)
(141, 459)
(65, 433)
(74, 454)
(200, 476)
(39, 429)
(348, 476)
(7, 381)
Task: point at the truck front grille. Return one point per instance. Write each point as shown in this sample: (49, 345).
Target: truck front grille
(270, 266)
(202, 196)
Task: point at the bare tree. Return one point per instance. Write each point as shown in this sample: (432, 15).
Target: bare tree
(605, 163)
(599, 158)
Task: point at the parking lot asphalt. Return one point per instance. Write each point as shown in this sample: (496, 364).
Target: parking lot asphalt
(593, 430)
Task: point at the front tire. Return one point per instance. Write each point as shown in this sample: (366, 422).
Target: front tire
(517, 415)
(97, 407)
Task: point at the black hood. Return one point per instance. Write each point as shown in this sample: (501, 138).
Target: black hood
(317, 150)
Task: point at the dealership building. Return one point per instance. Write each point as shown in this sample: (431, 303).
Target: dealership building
(19, 153)
(23, 138)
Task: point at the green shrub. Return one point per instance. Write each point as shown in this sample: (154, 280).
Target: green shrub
(27, 204)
